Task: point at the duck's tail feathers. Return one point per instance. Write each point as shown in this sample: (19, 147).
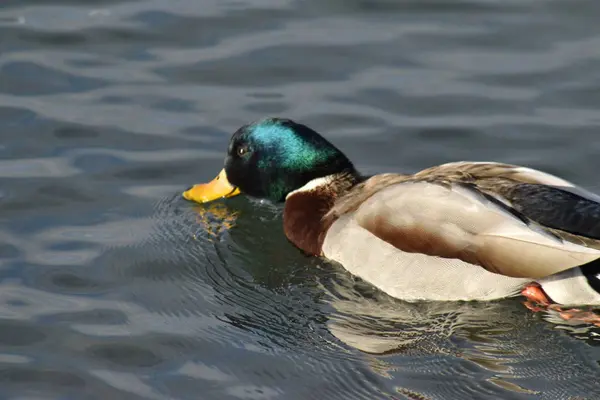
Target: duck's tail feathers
(575, 286)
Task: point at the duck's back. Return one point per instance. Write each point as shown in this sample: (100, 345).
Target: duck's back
(463, 230)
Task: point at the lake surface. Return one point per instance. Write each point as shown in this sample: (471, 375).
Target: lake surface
(114, 287)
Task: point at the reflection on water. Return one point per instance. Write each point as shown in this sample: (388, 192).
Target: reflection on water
(215, 218)
(114, 287)
(497, 349)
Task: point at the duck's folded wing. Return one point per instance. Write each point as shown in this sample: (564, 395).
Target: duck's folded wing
(557, 208)
(459, 221)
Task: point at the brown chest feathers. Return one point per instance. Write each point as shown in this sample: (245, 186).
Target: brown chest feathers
(303, 221)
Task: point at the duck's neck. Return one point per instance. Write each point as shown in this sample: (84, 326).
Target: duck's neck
(305, 208)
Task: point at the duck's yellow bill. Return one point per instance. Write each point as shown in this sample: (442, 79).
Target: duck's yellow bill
(215, 189)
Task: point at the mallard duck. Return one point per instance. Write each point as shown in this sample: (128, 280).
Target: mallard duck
(457, 231)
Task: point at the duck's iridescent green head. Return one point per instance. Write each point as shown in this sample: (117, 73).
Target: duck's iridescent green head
(273, 157)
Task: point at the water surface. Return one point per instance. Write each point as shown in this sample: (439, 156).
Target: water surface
(113, 287)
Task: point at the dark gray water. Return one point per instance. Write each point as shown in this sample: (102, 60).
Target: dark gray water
(113, 287)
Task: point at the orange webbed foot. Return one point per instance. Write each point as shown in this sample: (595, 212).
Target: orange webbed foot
(537, 301)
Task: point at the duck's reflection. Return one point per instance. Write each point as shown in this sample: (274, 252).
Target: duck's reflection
(215, 218)
(488, 348)
(372, 322)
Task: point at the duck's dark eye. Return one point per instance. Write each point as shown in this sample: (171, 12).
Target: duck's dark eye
(242, 150)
